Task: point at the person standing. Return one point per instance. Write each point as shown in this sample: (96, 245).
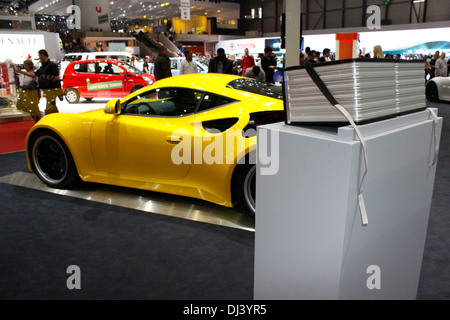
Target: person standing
(441, 66)
(162, 65)
(145, 68)
(210, 56)
(28, 100)
(325, 55)
(433, 64)
(247, 61)
(220, 63)
(268, 64)
(378, 52)
(188, 66)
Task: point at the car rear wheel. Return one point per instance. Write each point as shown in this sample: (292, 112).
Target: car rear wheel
(51, 160)
(247, 188)
(72, 95)
(432, 92)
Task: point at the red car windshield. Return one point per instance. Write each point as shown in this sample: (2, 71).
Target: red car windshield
(130, 68)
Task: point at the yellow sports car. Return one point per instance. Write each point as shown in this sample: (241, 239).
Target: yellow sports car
(191, 135)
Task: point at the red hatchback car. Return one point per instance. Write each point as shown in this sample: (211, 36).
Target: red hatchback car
(102, 78)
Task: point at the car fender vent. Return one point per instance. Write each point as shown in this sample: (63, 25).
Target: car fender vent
(212, 126)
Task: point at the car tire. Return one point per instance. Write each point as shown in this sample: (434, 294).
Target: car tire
(432, 92)
(72, 95)
(136, 88)
(246, 188)
(51, 160)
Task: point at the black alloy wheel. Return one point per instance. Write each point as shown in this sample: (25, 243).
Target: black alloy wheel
(51, 160)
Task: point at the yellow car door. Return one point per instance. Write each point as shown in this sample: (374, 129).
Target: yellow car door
(139, 143)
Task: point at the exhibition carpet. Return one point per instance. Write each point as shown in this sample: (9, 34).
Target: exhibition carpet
(13, 135)
(122, 253)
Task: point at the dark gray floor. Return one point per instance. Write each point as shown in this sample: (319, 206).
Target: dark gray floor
(435, 276)
(128, 254)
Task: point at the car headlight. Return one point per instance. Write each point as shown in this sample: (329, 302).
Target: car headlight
(149, 80)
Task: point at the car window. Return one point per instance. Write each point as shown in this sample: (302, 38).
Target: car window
(80, 67)
(211, 100)
(102, 68)
(170, 102)
(173, 64)
(122, 58)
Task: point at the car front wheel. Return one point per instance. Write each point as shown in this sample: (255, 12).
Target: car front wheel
(51, 160)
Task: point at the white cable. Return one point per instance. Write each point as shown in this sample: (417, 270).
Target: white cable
(435, 134)
(362, 205)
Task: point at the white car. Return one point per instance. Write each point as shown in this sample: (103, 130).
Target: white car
(438, 89)
(175, 63)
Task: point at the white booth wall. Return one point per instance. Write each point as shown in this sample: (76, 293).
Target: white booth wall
(17, 45)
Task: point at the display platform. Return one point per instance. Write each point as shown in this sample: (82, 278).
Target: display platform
(314, 242)
(14, 117)
(174, 206)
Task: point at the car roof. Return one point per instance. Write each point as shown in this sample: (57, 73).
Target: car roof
(114, 61)
(100, 53)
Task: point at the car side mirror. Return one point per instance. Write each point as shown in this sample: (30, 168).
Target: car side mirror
(125, 73)
(113, 107)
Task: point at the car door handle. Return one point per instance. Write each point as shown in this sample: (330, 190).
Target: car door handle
(174, 139)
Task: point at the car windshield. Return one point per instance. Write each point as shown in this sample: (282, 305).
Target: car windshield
(130, 68)
(254, 86)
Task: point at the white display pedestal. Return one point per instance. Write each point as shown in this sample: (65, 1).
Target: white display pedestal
(310, 242)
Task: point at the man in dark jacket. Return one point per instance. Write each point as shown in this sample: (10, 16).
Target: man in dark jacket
(162, 65)
(268, 64)
(220, 63)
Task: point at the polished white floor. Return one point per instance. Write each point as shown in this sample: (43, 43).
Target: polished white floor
(82, 106)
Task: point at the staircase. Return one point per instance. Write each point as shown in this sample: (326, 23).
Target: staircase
(150, 43)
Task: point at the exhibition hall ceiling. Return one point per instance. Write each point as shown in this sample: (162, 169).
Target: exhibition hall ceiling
(146, 9)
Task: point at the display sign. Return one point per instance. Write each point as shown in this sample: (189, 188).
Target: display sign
(74, 18)
(185, 13)
(254, 45)
(185, 9)
(103, 18)
(275, 44)
(20, 46)
(103, 85)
